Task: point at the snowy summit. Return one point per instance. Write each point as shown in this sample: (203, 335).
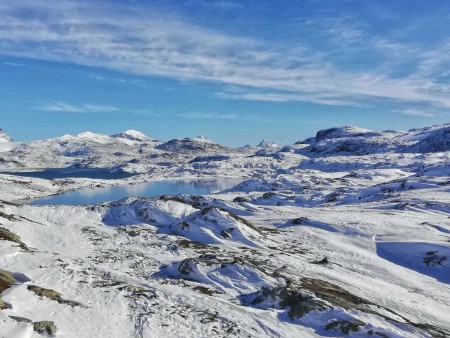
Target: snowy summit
(266, 144)
(133, 135)
(4, 137)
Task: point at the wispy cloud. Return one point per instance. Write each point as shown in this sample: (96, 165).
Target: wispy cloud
(289, 97)
(89, 108)
(222, 116)
(125, 81)
(416, 113)
(58, 106)
(136, 40)
(14, 64)
(221, 5)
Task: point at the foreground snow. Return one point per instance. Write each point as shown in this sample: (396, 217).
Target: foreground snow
(327, 242)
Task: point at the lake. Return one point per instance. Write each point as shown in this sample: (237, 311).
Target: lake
(53, 173)
(150, 189)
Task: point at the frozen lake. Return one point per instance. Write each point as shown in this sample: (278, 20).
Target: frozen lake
(150, 189)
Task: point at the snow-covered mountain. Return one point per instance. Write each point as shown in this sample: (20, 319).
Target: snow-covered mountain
(345, 132)
(4, 137)
(134, 151)
(6, 142)
(133, 135)
(432, 139)
(200, 143)
(266, 144)
(86, 149)
(358, 141)
(344, 234)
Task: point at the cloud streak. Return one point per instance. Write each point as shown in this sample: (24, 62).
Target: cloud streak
(14, 64)
(137, 41)
(58, 106)
(222, 116)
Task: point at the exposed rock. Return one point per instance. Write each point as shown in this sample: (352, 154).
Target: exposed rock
(268, 195)
(332, 293)
(45, 326)
(226, 233)
(299, 220)
(297, 303)
(240, 199)
(180, 199)
(53, 295)
(42, 292)
(185, 243)
(344, 326)
(212, 158)
(7, 235)
(323, 261)
(4, 305)
(204, 290)
(433, 258)
(231, 214)
(6, 280)
(21, 319)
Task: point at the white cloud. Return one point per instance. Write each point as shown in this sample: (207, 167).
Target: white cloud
(289, 97)
(58, 106)
(416, 113)
(222, 116)
(209, 115)
(125, 81)
(146, 42)
(14, 64)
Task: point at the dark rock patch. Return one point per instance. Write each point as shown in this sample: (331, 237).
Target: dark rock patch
(7, 235)
(53, 295)
(345, 326)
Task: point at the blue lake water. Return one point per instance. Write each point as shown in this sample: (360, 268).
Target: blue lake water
(53, 173)
(150, 189)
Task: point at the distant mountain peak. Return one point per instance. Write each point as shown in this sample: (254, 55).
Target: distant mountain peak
(359, 141)
(267, 144)
(4, 137)
(190, 144)
(203, 139)
(133, 135)
(88, 134)
(344, 131)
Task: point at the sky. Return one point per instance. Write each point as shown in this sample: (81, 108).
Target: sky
(234, 71)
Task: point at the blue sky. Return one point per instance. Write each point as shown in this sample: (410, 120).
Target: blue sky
(235, 71)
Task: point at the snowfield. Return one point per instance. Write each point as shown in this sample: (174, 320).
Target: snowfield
(344, 234)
